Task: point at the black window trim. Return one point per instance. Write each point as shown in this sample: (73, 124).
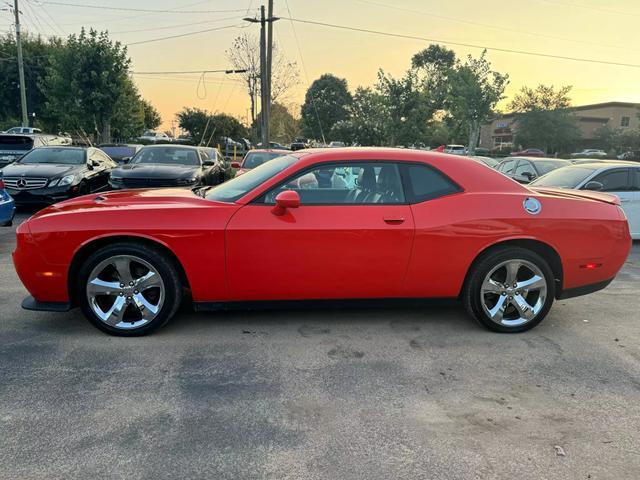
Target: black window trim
(409, 196)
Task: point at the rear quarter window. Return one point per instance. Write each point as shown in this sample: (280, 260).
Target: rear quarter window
(426, 183)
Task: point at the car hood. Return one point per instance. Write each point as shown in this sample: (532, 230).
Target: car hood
(583, 194)
(46, 170)
(156, 171)
(137, 199)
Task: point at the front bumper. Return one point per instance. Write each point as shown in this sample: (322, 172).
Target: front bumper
(42, 196)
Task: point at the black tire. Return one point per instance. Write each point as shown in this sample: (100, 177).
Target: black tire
(165, 267)
(472, 297)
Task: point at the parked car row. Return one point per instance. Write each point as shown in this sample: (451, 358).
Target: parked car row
(46, 175)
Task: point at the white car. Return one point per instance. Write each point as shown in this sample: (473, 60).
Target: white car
(23, 130)
(336, 145)
(618, 178)
(154, 137)
(590, 153)
(455, 149)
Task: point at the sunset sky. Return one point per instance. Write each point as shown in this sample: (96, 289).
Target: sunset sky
(590, 29)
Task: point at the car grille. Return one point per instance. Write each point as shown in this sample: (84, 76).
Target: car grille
(25, 183)
(148, 182)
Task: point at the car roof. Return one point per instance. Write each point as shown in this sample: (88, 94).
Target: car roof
(269, 150)
(536, 159)
(174, 145)
(606, 163)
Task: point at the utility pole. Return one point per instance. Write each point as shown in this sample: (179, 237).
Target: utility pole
(23, 92)
(264, 116)
(266, 47)
(269, 55)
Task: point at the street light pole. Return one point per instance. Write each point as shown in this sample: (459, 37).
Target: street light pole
(23, 92)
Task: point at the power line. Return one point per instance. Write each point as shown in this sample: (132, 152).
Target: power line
(468, 45)
(180, 72)
(495, 27)
(182, 35)
(127, 9)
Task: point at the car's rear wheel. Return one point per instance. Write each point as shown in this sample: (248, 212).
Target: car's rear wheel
(129, 289)
(509, 289)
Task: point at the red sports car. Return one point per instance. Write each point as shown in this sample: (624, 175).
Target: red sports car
(324, 225)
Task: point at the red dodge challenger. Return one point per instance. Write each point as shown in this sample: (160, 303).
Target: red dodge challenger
(324, 225)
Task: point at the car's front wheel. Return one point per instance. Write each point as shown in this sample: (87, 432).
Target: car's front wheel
(129, 289)
(509, 289)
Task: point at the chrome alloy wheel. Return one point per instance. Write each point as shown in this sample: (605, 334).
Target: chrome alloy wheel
(513, 292)
(125, 291)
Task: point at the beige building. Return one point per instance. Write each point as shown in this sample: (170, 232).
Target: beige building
(502, 130)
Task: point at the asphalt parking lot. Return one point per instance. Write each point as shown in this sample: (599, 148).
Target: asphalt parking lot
(333, 394)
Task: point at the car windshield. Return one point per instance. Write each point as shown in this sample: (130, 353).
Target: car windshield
(119, 152)
(254, 159)
(239, 186)
(167, 156)
(10, 142)
(545, 166)
(565, 177)
(62, 156)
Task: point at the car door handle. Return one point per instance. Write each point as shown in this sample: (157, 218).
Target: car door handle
(394, 220)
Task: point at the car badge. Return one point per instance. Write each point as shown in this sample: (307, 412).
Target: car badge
(532, 205)
(21, 183)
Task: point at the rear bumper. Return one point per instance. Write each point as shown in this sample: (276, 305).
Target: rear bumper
(31, 303)
(584, 289)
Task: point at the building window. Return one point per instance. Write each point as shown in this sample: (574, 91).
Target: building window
(624, 121)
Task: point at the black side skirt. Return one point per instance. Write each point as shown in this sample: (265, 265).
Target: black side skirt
(583, 290)
(323, 304)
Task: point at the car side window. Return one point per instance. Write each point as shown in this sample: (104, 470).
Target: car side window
(345, 184)
(426, 183)
(614, 180)
(95, 155)
(507, 167)
(523, 167)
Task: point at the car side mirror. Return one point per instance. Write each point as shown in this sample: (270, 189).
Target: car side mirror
(529, 175)
(285, 200)
(208, 163)
(126, 159)
(593, 185)
(90, 165)
(235, 164)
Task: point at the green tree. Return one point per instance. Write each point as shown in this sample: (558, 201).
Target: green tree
(284, 126)
(86, 82)
(37, 55)
(206, 128)
(405, 111)
(366, 123)
(475, 91)
(437, 64)
(543, 119)
(152, 118)
(326, 102)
